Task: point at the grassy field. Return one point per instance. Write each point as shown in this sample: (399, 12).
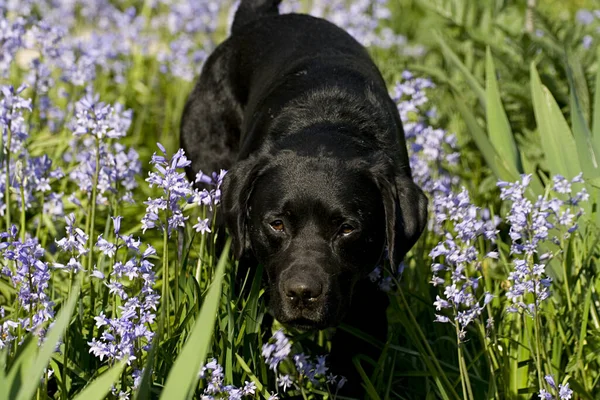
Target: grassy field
(110, 282)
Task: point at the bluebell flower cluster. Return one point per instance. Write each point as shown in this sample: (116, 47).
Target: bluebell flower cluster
(562, 391)
(551, 218)
(213, 375)
(98, 119)
(127, 333)
(11, 39)
(278, 350)
(32, 174)
(176, 191)
(457, 262)
(433, 152)
(73, 243)
(589, 20)
(12, 106)
(187, 21)
(24, 266)
(96, 122)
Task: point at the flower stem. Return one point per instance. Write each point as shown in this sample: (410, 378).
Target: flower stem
(566, 282)
(92, 224)
(7, 181)
(536, 318)
(464, 372)
(202, 247)
(66, 341)
(425, 343)
(179, 232)
(165, 283)
(23, 210)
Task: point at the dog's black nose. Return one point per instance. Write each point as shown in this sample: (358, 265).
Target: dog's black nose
(302, 288)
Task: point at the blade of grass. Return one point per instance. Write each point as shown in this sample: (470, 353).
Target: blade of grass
(36, 370)
(596, 112)
(559, 146)
(99, 388)
(144, 388)
(452, 58)
(184, 374)
(17, 373)
(589, 156)
(499, 130)
(499, 167)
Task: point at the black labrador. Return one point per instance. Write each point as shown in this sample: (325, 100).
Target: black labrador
(319, 183)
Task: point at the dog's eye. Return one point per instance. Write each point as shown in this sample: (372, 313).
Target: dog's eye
(346, 229)
(277, 225)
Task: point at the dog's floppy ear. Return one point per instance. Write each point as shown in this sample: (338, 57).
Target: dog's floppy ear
(238, 185)
(405, 213)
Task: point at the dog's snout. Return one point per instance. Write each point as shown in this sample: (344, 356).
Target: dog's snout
(303, 288)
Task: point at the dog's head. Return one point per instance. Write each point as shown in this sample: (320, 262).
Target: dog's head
(319, 224)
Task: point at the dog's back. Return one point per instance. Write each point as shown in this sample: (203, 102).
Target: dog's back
(269, 62)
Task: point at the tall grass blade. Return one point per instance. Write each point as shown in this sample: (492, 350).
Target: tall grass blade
(146, 383)
(11, 381)
(589, 156)
(499, 166)
(452, 58)
(184, 373)
(99, 388)
(498, 126)
(559, 146)
(596, 112)
(36, 370)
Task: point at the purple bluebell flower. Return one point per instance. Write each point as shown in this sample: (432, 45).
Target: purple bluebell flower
(584, 17)
(8, 329)
(176, 190)
(433, 152)
(128, 333)
(532, 223)
(203, 226)
(276, 350)
(100, 120)
(544, 395)
(30, 276)
(75, 240)
(12, 107)
(562, 391)
(11, 40)
(119, 167)
(285, 382)
(464, 226)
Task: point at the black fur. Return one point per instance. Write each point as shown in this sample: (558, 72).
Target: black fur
(299, 114)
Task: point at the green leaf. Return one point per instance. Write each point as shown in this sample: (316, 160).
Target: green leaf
(589, 157)
(452, 58)
(12, 380)
(252, 319)
(183, 376)
(143, 391)
(100, 386)
(498, 126)
(560, 150)
(246, 369)
(36, 370)
(499, 166)
(596, 121)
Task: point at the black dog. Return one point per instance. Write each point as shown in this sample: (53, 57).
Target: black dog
(319, 181)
